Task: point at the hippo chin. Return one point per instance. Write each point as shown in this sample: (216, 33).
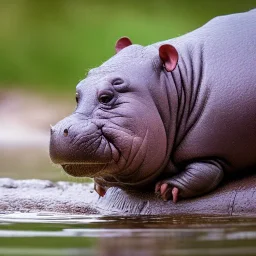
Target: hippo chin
(177, 115)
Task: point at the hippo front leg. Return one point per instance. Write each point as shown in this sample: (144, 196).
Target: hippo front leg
(197, 179)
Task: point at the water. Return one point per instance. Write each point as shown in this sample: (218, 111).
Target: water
(62, 234)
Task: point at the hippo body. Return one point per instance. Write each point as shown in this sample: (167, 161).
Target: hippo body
(179, 114)
(217, 67)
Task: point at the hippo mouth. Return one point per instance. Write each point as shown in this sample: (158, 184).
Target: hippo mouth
(86, 153)
(84, 170)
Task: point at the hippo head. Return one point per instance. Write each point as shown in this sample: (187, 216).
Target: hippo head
(117, 133)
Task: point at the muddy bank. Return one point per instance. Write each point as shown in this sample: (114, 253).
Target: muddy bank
(237, 198)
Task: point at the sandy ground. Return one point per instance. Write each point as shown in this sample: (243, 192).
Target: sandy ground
(24, 133)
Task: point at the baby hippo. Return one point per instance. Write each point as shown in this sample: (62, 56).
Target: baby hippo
(175, 116)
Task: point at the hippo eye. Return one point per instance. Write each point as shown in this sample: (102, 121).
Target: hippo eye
(105, 98)
(77, 98)
(118, 81)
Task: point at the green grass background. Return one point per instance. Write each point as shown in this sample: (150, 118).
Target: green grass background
(49, 45)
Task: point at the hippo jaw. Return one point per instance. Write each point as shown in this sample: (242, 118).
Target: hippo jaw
(79, 170)
(96, 147)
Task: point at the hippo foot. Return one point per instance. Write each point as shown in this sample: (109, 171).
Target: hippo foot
(100, 189)
(198, 178)
(167, 191)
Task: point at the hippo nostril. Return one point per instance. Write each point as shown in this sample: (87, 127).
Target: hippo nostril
(65, 132)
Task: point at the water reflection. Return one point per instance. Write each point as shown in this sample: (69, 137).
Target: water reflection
(62, 234)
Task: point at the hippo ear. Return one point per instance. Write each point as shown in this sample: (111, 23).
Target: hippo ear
(122, 43)
(169, 56)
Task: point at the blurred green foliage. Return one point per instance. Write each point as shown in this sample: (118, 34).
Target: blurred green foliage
(48, 45)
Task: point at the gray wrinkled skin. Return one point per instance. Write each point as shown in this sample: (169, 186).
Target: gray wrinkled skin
(184, 128)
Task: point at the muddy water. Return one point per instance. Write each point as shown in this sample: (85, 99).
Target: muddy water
(49, 234)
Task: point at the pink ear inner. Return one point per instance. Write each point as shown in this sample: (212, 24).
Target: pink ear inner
(122, 43)
(169, 56)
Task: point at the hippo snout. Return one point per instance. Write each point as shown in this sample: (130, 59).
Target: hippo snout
(76, 142)
(61, 144)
